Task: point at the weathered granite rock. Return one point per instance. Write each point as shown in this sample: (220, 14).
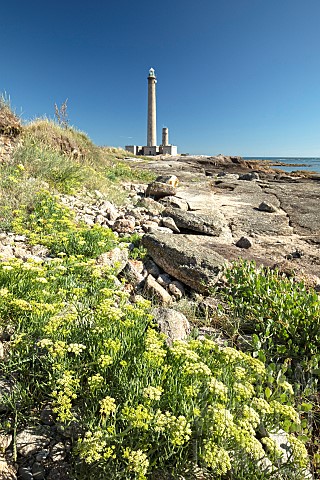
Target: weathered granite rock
(206, 224)
(159, 229)
(243, 242)
(177, 289)
(175, 202)
(164, 279)
(134, 273)
(159, 190)
(124, 225)
(172, 323)
(170, 223)
(6, 252)
(267, 207)
(195, 265)
(249, 176)
(31, 440)
(152, 267)
(151, 205)
(154, 290)
(116, 258)
(109, 210)
(169, 179)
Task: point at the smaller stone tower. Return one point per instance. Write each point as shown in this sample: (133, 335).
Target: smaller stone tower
(165, 136)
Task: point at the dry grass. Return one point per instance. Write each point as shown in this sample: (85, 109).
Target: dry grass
(9, 122)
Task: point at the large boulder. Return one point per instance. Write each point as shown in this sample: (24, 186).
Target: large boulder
(196, 222)
(195, 265)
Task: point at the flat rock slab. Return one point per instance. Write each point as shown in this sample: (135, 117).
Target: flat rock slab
(195, 265)
(205, 224)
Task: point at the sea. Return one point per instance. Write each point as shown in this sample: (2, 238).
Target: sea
(292, 164)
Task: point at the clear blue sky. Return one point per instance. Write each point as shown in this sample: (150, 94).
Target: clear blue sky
(236, 77)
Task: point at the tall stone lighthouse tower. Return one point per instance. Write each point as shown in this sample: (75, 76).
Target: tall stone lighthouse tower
(152, 114)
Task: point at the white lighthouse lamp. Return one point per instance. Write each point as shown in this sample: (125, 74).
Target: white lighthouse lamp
(151, 72)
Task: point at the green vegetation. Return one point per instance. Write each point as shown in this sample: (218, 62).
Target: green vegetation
(137, 408)
(136, 405)
(284, 317)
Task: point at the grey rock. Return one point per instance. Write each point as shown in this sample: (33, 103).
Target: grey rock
(31, 440)
(88, 219)
(267, 207)
(159, 229)
(244, 242)
(172, 323)
(177, 289)
(100, 219)
(249, 176)
(169, 179)
(205, 224)
(116, 258)
(19, 238)
(133, 274)
(6, 252)
(197, 266)
(39, 250)
(109, 210)
(175, 202)
(156, 291)
(58, 452)
(149, 225)
(164, 280)
(151, 205)
(152, 268)
(124, 225)
(170, 223)
(24, 473)
(159, 190)
(5, 442)
(42, 455)
(21, 252)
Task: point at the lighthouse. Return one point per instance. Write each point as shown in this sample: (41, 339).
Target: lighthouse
(152, 110)
(152, 148)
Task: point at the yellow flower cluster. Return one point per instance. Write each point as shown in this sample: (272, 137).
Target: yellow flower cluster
(154, 352)
(219, 389)
(139, 417)
(64, 394)
(93, 447)
(287, 411)
(216, 457)
(137, 462)
(107, 406)
(95, 381)
(178, 428)
(153, 393)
